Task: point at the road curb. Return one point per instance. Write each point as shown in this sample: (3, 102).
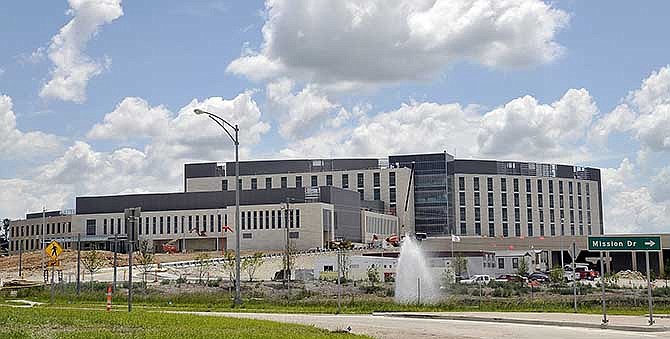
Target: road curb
(524, 321)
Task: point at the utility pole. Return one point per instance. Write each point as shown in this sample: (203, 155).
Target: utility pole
(20, 258)
(44, 220)
(116, 244)
(574, 278)
(339, 270)
(78, 263)
(287, 263)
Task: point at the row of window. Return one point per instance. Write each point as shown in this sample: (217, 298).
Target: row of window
(152, 225)
(31, 230)
(529, 215)
(530, 230)
(529, 200)
(28, 245)
(270, 219)
(314, 181)
(503, 185)
(380, 226)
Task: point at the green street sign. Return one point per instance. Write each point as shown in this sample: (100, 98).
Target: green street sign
(624, 243)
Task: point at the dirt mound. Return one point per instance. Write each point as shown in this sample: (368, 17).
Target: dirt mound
(628, 274)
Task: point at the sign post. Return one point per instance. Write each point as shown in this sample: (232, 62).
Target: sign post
(53, 250)
(131, 216)
(626, 244)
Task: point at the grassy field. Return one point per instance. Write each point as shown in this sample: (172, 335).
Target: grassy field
(43, 322)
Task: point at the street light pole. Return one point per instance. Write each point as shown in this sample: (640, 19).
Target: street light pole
(223, 123)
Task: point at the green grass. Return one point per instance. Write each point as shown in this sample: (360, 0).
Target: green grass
(45, 322)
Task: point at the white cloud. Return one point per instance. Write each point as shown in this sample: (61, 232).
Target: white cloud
(305, 110)
(414, 127)
(17, 144)
(621, 119)
(133, 117)
(381, 41)
(72, 68)
(629, 205)
(20, 196)
(524, 128)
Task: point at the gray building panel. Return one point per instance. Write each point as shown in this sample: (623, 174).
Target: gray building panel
(565, 171)
(347, 206)
(475, 166)
(201, 170)
(300, 166)
(48, 214)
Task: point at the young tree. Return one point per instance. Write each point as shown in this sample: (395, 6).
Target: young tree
(666, 272)
(144, 259)
(202, 265)
(460, 266)
(557, 275)
(373, 275)
(229, 265)
(251, 264)
(522, 270)
(93, 261)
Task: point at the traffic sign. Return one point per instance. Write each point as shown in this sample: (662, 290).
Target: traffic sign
(53, 250)
(624, 243)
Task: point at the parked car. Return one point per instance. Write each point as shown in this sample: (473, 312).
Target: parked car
(540, 277)
(511, 278)
(585, 272)
(569, 275)
(477, 279)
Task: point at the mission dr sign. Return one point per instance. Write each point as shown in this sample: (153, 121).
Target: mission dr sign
(624, 243)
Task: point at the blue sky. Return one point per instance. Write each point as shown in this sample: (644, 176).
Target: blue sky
(332, 78)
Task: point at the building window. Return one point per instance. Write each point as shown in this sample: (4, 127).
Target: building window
(268, 182)
(294, 235)
(528, 187)
(239, 184)
(246, 235)
(572, 201)
(503, 198)
(540, 201)
(242, 219)
(501, 263)
(579, 202)
(588, 203)
(375, 179)
(569, 187)
(572, 229)
(581, 229)
(111, 226)
(254, 183)
(541, 215)
(539, 185)
(361, 193)
(489, 184)
(329, 180)
(90, 227)
(218, 223)
(552, 229)
(489, 199)
(492, 230)
(588, 190)
(478, 228)
(579, 188)
(377, 194)
(491, 214)
(530, 230)
(345, 180)
(104, 226)
(529, 214)
(516, 185)
(477, 199)
(478, 215)
(284, 182)
(463, 228)
(249, 220)
(517, 230)
(462, 210)
(529, 200)
(475, 183)
(551, 201)
(255, 220)
(504, 214)
(552, 216)
(588, 217)
(517, 215)
(461, 183)
(298, 181)
(211, 223)
(224, 185)
(503, 184)
(297, 218)
(561, 204)
(461, 198)
(515, 263)
(542, 230)
(361, 182)
(516, 199)
(392, 197)
(590, 230)
(551, 186)
(153, 223)
(315, 181)
(391, 178)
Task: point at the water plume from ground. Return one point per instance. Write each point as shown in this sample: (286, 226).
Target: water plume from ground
(414, 281)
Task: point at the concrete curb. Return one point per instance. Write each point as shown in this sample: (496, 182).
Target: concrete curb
(524, 321)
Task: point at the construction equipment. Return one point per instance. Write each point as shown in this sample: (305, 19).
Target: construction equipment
(393, 240)
(170, 247)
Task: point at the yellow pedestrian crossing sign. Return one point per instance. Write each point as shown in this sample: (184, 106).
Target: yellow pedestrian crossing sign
(53, 250)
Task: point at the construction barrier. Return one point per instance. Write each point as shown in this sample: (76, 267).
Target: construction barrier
(109, 297)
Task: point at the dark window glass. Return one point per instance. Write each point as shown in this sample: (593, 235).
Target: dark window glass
(516, 199)
(168, 225)
(588, 190)
(530, 230)
(461, 183)
(529, 214)
(569, 187)
(361, 181)
(528, 188)
(529, 200)
(553, 230)
(517, 230)
(153, 224)
(284, 182)
(492, 230)
(462, 214)
(505, 229)
(503, 184)
(345, 180)
(475, 183)
(254, 183)
(224, 185)
(551, 201)
(392, 197)
(329, 180)
(255, 220)
(375, 179)
(560, 187)
(516, 185)
(542, 230)
(539, 185)
(551, 186)
(463, 229)
(478, 215)
(268, 182)
(478, 229)
(504, 214)
(161, 225)
(298, 181)
(376, 194)
(361, 193)
(315, 180)
(391, 178)
(272, 217)
(489, 184)
(104, 226)
(517, 215)
(461, 198)
(540, 200)
(579, 188)
(489, 199)
(477, 199)
(503, 198)
(491, 214)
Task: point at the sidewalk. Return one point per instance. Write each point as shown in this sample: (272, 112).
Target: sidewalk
(616, 322)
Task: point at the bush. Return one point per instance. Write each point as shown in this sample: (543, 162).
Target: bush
(165, 282)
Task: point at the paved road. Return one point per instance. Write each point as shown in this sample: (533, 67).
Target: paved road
(386, 327)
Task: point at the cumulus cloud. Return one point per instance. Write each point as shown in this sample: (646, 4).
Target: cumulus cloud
(375, 41)
(629, 205)
(133, 117)
(523, 127)
(72, 68)
(17, 144)
(305, 110)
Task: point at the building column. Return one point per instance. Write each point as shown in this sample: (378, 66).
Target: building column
(550, 263)
(634, 258)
